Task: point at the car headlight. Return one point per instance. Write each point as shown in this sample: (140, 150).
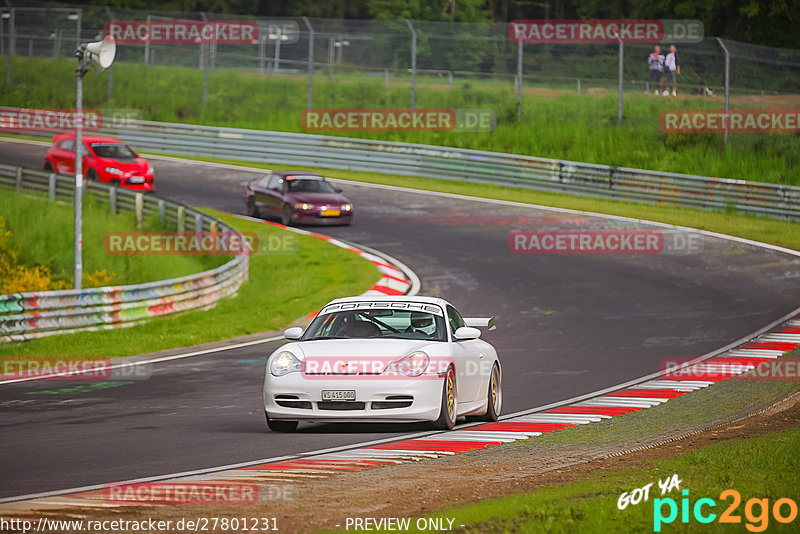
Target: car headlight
(150, 170)
(113, 170)
(414, 364)
(284, 363)
(347, 207)
(304, 206)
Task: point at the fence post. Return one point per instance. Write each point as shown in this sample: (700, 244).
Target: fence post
(198, 222)
(181, 218)
(519, 80)
(12, 38)
(386, 78)
(162, 213)
(139, 209)
(51, 188)
(450, 78)
(727, 89)
(331, 59)
(619, 91)
(147, 44)
(111, 68)
(309, 104)
(19, 179)
(112, 200)
(579, 87)
(413, 64)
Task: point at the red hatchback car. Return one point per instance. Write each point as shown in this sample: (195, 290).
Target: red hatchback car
(105, 159)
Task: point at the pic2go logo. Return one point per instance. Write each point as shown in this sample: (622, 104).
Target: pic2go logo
(756, 511)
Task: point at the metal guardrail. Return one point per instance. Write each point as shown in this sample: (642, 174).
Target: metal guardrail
(616, 183)
(33, 315)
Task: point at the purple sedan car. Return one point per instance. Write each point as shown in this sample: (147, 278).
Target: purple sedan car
(297, 197)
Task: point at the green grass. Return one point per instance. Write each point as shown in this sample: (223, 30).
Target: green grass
(765, 229)
(756, 468)
(281, 288)
(556, 125)
(43, 232)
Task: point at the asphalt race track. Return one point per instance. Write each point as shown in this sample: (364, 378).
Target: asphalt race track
(567, 325)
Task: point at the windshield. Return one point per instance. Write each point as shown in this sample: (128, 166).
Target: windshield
(309, 186)
(113, 150)
(380, 323)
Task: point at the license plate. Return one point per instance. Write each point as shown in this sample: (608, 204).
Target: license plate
(136, 180)
(338, 395)
(330, 213)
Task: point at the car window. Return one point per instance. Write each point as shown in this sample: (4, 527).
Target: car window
(393, 324)
(263, 182)
(309, 186)
(275, 183)
(67, 144)
(455, 319)
(113, 150)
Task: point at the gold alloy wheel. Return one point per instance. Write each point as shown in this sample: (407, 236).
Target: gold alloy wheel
(451, 396)
(496, 394)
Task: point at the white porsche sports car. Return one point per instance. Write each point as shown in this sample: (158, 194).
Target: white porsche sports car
(384, 359)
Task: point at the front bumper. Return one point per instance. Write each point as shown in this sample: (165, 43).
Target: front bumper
(309, 217)
(298, 397)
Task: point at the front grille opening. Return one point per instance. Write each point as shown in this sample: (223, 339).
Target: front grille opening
(304, 405)
(388, 405)
(291, 401)
(399, 397)
(341, 405)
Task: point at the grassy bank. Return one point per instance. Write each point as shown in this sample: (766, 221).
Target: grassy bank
(767, 230)
(43, 235)
(557, 123)
(756, 468)
(284, 284)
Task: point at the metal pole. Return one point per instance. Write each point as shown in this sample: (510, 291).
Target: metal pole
(147, 44)
(111, 68)
(205, 76)
(310, 63)
(619, 90)
(413, 64)
(519, 80)
(727, 89)
(330, 59)
(276, 64)
(77, 250)
(12, 37)
(78, 28)
(262, 45)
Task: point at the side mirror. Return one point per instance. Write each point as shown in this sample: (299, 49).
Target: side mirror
(467, 332)
(337, 188)
(293, 333)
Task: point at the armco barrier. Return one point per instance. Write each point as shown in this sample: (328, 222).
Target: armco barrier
(617, 183)
(32, 315)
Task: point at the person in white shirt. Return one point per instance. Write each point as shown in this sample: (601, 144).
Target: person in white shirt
(656, 63)
(672, 67)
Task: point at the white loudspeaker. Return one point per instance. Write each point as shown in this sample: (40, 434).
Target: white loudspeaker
(100, 54)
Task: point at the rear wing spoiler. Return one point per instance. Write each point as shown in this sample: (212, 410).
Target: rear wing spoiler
(475, 322)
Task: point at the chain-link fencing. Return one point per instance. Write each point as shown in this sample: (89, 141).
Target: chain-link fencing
(429, 55)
